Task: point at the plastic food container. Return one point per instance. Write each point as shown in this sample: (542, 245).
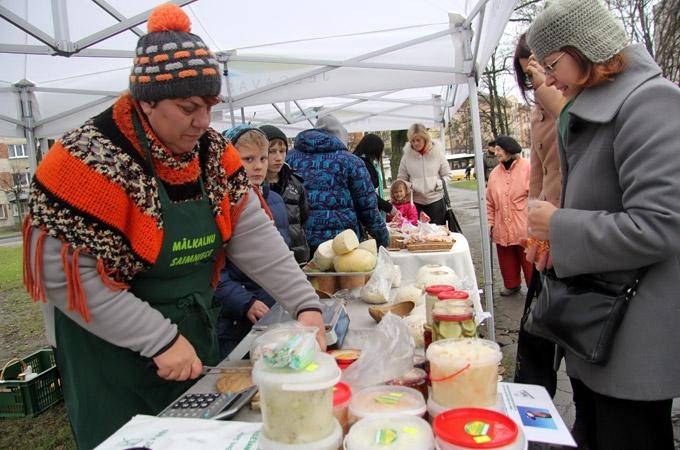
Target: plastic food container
(434, 409)
(345, 357)
(386, 401)
(332, 442)
(396, 433)
(414, 378)
(297, 406)
(464, 372)
(431, 297)
(450, 320)
(466, 428)
(341, 396)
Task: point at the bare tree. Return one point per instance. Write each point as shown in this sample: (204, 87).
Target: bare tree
(667, 38)
(398, 139)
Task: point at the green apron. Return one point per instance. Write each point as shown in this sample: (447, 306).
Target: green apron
(105, 385)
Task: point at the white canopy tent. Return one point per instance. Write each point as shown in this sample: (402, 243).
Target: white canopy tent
(381, 64)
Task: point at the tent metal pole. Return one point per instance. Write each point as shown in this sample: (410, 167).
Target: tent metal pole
(304, 113)
(23, 25)
(28, 122)
(281, 113)
(363, 57)
(481, 197)
(229, 99)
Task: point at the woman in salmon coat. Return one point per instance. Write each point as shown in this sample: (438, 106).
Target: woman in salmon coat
(507, 197)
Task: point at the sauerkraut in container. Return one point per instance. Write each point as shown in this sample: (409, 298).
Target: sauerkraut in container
(386, 401)
(464, 372)
(297, 406)
(397, 433)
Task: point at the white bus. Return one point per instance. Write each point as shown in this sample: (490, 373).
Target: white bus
(458, 162)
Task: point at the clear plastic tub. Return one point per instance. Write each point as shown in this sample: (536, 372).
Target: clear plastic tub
(464, 372)
(465, 428)
(341, 397)
(331, 442)
(396, 433)
(297, 406)
(386, 401)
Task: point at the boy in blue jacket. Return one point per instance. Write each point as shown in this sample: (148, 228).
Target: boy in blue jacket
(243, 300)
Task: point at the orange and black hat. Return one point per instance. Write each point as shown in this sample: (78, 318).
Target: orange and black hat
(171, 62)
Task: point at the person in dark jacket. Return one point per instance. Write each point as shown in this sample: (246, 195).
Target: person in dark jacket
(243, 300)
(339, 189)
(370, 150)
(288, 185)
(489, 159)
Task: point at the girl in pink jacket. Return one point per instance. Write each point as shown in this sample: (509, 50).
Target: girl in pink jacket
(400, 197)
(507, 197)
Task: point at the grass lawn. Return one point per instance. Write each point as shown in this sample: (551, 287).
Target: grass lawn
(465, 184)
(22, 333)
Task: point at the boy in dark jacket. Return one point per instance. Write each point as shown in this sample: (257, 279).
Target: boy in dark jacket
(243, 300)
(288, 185)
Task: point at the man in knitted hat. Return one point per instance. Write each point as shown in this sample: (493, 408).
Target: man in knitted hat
(289, 185)
(618, 141)
(130, 219)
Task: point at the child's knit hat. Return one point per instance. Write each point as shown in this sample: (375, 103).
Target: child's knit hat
(171, 62)
(586, 25)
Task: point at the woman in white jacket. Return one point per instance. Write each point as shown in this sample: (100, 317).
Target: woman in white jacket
(423, 166)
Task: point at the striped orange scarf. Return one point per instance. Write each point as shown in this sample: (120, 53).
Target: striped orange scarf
(94, 192)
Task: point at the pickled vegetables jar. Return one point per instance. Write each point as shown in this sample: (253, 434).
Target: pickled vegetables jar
(431, 297)
(451, 320)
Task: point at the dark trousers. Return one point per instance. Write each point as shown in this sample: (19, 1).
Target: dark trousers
(535, 355)
(436, 211)
(617, 424)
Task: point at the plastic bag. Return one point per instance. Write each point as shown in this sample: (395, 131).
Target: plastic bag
(286, 345)
(386, 356)
(377, 289)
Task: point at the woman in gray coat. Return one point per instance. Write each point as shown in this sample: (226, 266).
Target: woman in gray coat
(619, 147)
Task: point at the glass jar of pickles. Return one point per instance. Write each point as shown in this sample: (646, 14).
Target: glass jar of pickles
(431, 293)
(450, 320)
(461, 297)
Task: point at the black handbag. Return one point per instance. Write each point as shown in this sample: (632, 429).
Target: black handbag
(535, 359)
(450, 216)
(582, 314)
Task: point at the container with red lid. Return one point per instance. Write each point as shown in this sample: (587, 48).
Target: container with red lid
(431, 293)
(341, 397)
(469, 428)
(345, 357)
(460, 296)
(451, 320)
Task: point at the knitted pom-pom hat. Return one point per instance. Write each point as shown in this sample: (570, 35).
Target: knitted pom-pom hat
(171, 62)
(586, 25)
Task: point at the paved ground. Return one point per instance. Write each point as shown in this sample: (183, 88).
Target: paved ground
(508, 310)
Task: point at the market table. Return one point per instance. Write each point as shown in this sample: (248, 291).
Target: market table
(458, 258)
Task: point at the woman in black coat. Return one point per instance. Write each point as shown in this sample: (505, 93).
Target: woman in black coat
(370, 150)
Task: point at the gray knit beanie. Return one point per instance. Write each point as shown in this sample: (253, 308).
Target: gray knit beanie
(334, 127)
(171, 62)
(586, 25)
